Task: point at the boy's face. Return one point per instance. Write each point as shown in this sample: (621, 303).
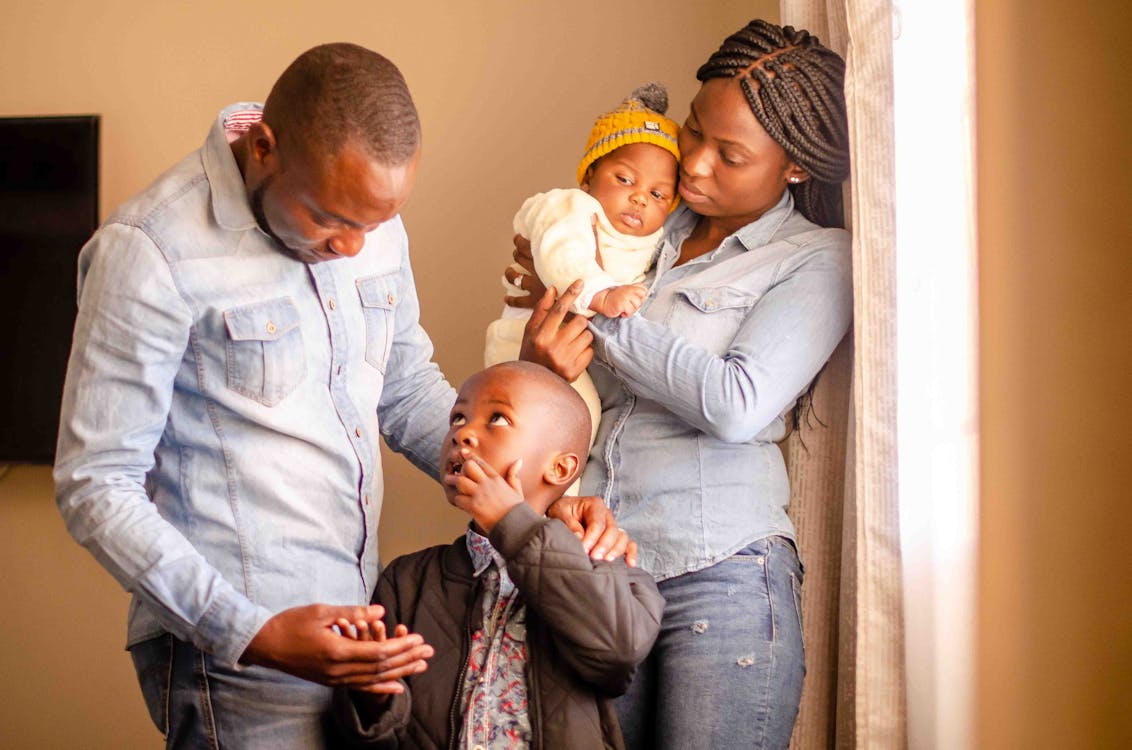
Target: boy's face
(635, 186)
(497, 416)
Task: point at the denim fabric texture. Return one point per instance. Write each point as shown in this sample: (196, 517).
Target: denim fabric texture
(695, 386)
(197, 702)
(726, 672)
(224, 403)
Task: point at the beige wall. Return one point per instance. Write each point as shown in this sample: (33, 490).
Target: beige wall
(1055, 238)
(507, 91)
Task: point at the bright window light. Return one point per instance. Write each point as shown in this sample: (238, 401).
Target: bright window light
(936, 365)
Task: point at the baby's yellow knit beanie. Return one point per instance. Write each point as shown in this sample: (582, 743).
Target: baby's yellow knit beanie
(639, 119)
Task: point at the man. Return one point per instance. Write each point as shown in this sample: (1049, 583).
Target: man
(218, 447)
(247, 329)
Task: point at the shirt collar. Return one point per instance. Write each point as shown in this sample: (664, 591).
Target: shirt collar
(756, 234)
(482, 553)
(230, 203)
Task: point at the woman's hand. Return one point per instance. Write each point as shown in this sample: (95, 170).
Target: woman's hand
(593, 522)
(526, 279)
(557, 339)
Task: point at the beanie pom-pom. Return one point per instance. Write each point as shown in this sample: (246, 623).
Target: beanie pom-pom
(652, 95)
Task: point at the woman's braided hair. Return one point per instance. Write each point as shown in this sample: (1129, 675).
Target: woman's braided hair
(795, 87)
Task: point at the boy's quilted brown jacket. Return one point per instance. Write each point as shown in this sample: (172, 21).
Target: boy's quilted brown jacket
(589, 623)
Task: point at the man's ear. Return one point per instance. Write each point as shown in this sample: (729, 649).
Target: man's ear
(562, 470)
(263, 146)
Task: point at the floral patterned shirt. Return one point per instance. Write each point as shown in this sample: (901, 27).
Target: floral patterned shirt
(494, 691)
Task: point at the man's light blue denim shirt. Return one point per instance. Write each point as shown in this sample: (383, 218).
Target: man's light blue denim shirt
(218, 445)
(695, 387)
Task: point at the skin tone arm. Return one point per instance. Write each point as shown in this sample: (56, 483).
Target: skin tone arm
(300, 641)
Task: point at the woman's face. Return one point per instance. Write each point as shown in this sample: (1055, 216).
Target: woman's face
(730, 167)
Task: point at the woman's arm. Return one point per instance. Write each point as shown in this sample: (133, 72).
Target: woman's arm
(780, 346)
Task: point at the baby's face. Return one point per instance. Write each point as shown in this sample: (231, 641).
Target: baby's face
(635, 186)
(497, 416)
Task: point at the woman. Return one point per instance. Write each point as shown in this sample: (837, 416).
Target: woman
(750, 297)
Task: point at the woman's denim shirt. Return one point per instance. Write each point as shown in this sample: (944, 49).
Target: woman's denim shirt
(696, 386)
(224, 405)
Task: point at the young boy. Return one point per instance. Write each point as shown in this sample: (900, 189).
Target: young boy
(606, 232)
(532, 638)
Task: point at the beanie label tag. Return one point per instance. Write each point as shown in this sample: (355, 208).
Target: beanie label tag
(652, 125)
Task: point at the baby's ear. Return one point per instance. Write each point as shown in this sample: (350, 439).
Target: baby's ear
(562, 470)
(585, 186)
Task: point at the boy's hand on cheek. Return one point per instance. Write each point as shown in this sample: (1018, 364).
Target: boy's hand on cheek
(483, 493)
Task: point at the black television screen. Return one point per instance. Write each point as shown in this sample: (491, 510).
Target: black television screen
(48, 209)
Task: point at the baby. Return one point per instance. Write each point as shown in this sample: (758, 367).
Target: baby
(532, 637)
(606, 232)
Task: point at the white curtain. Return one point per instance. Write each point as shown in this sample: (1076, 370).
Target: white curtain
(844, 476)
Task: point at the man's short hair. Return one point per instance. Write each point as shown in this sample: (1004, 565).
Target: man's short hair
(343, 93)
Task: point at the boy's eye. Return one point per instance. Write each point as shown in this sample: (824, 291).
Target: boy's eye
(658, 195)
(457, 420)
(624, 180)
(499, 419)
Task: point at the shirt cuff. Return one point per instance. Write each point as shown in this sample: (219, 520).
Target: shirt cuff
(228, 627)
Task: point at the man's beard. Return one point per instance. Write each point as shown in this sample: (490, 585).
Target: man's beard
(261, 217)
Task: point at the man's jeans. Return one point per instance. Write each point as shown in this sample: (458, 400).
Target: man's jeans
(197, 703)
(726, 671)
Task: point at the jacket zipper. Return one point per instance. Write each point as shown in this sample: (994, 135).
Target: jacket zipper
(454, 710)
(534, 706)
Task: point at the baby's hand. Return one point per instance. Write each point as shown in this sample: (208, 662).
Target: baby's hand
(619, 301)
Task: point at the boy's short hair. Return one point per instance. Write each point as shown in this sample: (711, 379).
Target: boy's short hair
(565, 408)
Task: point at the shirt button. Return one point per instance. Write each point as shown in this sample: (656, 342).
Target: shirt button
(358, 431)
(339, 370)
(330, 303)
(367, 499)
(270, 327)
(389, 298)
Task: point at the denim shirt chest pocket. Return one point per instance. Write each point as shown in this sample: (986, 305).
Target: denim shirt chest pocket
(379, 298)
(710, 316)
(264, 352)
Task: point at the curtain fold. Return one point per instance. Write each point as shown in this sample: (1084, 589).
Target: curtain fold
(844, 475)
